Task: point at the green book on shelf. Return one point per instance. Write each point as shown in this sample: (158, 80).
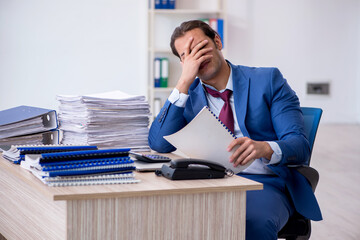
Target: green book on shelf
(164, 72)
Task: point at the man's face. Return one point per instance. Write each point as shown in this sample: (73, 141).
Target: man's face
(209, 68)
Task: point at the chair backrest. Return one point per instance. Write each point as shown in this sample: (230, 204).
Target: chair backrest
(312, 118)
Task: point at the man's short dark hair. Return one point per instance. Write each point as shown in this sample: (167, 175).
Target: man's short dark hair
(190, 25)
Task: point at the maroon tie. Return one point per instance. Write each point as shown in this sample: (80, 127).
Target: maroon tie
(226, 115)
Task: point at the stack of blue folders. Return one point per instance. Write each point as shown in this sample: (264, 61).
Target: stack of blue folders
(16, 153)
(89, 167)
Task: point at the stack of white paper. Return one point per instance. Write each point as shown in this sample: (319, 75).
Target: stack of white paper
(108, 120)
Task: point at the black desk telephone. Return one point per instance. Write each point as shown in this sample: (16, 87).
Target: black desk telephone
(185, 169)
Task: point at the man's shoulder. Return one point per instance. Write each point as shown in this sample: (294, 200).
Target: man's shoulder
(249, 71)
(263, 74)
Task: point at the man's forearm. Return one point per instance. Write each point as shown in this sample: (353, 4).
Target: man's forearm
(169, 121)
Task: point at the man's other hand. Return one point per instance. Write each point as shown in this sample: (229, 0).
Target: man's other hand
(248, 150)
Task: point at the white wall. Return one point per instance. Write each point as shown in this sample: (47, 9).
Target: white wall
(309, 41)
(64, 47)
(70, 47)
(358, 68)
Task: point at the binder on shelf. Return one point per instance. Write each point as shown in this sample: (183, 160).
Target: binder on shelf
(164, 72)
(218, 25)
(164, 4)
(16, 154)
(158, 4)
(205, 20)
(213, 23)
(220, 29)
(23, 120)
(171, 4)
(157, 72)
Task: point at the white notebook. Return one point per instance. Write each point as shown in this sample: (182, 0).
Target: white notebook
(207, 138)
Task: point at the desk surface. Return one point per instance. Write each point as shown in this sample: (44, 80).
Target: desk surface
(150, 185)
(166, 209)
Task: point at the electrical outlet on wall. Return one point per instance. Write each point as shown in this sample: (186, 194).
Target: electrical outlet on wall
(318, 88)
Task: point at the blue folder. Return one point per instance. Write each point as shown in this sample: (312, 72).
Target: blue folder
(23, 150)
(82, 155)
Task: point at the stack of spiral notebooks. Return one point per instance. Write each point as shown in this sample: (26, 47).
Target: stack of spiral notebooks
(16, 153)
(74, 167)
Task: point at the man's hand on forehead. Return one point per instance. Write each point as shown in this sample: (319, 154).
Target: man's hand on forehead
(191, 47)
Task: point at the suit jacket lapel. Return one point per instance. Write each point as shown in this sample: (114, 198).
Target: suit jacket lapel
(241, 94)
(198, 98)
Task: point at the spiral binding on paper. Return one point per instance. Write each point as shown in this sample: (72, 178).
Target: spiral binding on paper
(86, 163)
(80, 155)
(123, 178)
(122, 167)
(94, 182)
(43, 145)
(38, 149)
(90, 177)
(217, 118)
(16, 153)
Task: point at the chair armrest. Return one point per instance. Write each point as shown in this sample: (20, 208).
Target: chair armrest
(309, 173)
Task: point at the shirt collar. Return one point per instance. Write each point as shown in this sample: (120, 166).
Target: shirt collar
(229, 84)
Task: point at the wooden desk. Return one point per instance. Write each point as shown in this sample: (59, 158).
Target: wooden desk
(155, 208)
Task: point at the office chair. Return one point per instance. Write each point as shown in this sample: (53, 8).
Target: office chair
(298, 227)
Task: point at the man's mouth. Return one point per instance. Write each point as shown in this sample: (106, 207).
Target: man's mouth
(204, 64)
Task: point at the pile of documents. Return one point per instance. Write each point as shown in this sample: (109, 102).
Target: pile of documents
(108, 120)
(73, 167)
(28, 125)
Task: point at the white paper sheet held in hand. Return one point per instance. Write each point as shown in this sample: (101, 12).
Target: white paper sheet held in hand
(206, 138)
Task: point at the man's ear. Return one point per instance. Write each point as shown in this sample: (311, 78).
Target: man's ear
(218, 42)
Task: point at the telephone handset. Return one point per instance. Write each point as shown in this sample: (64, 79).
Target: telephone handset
(185, 169)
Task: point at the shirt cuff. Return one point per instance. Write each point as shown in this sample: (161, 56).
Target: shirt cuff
(177, 98)
(277, 154)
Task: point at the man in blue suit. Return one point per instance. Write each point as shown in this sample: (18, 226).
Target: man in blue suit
(266, 118)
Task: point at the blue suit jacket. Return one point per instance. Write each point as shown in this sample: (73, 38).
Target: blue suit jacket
(267, 109)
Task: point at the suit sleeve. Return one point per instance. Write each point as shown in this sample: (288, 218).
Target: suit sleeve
(169, 121)
(288, 122)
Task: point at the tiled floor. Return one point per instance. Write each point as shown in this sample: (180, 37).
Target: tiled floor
(336, 156)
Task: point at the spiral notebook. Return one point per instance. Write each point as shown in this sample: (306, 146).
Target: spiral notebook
(206, 138)
(16, 153)
(117, 178)
(78, 158)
